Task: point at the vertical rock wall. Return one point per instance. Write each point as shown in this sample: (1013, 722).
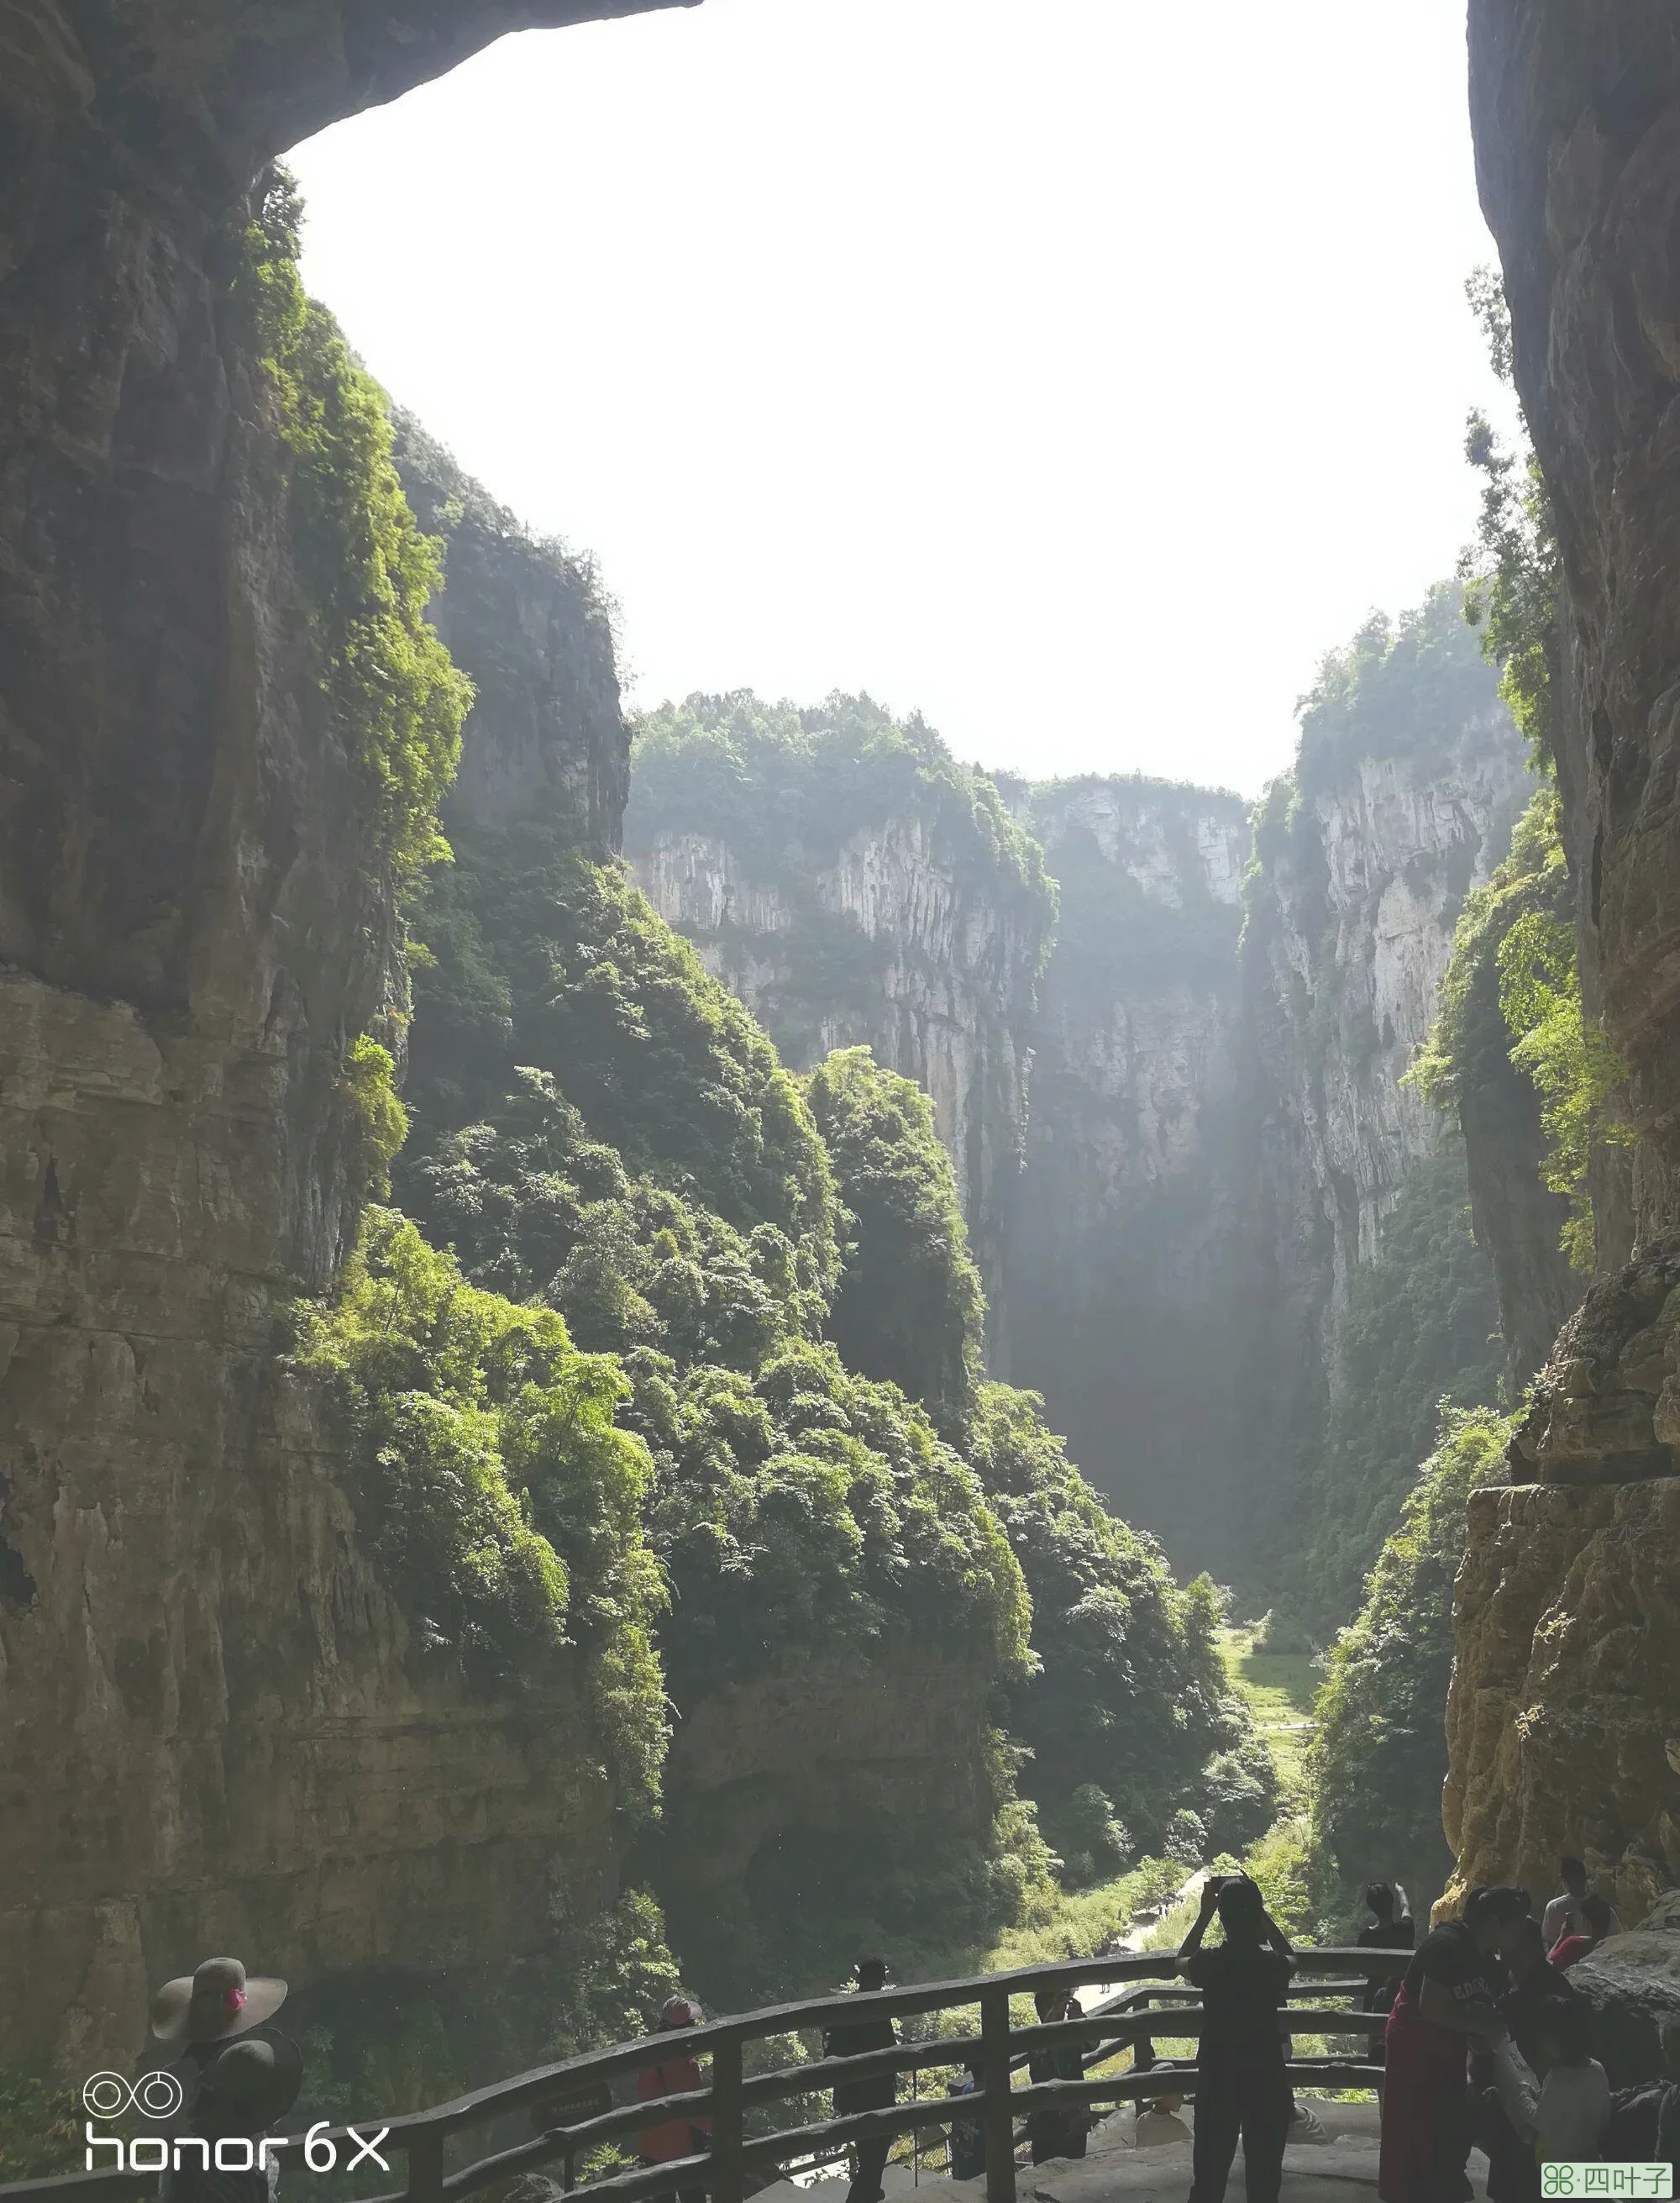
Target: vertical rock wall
(1120, 1283)
(1363, 860)
(912, 948)
(213, 1734)
(1566, 1708)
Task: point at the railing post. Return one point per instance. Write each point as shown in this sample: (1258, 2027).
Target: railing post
(425, 2167)
(726, 2121)
(998, 2119)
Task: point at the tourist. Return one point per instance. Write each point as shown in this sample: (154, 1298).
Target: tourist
(1563, 1914)
(1597, 1920)
(1446, 2003)
(1242, 2086)
(968, 2136)
(1535, 1989)
(688, 2134)
(1390, 1928)
(1563, 2117)
(1053, 2132)
(245, 2091)
(854, 2038)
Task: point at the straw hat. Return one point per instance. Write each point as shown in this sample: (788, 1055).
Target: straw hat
(217, 2001)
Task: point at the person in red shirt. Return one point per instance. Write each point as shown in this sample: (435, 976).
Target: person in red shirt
(675, 2075)
(1595, 1918)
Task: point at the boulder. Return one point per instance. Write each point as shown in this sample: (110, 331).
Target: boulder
(1633, 1984)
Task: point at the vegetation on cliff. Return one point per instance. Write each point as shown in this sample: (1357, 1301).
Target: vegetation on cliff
(1134, 1730)
(1401, 688)
(367, 571)
(777, 783)
(1513, 989)
(1511, 571)
(1421, 1333)
(601, 1130)
(784, 790)
(1380, 1755)
(1514, 984)
(1127, 1713)
(500, 1495)
(910, 1306)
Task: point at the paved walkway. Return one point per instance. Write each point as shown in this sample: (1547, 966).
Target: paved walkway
(1341, 2169)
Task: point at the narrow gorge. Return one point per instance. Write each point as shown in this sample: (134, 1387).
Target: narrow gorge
(657, 1348)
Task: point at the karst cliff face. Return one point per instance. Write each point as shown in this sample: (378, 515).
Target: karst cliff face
(1402, 799)
(1119, 1277)
(907, 934)
(214, 1732)
(1564, 1701)
(1218, 1136)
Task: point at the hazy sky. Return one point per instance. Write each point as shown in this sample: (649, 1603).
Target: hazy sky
(1076, 370)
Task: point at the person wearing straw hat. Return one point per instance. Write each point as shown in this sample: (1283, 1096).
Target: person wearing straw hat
(235, 2083)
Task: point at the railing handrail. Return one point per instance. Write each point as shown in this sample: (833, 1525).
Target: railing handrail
(421, 2134)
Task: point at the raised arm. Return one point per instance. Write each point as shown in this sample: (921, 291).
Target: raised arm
(1193, 1942)
(1278, 1940)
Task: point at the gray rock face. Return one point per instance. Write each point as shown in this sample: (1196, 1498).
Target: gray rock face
(225, 1742)
(1576, 116)
(1633, 1984)
(913, 949)
(1563, 1723)
(1121, 1292)
(547, 738)
(1217, 1133)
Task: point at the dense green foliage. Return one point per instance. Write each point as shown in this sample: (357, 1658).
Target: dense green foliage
(41, 2125)
(1512, 988)
(1567, 1055)
(366, 570)
(802, 1507)
(1380, 1755)
(805, 1511)
(1405, 688)
(1422, 1331)
(501, 1497)
(910, 1307)
(533, 956)
(1130, 1717)
(799, 1507)
(778, 784)
(1511, 571)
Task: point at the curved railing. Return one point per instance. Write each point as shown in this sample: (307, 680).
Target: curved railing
(437, 2145)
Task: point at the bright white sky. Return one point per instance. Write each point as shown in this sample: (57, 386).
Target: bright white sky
(1076, 370)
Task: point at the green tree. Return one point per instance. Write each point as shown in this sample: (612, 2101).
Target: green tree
(1379, 1758)
(910, 1307)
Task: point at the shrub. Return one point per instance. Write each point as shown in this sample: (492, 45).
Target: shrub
(502, 1502)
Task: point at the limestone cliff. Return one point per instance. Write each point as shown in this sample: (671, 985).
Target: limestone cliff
(214, 1730)
(1567, 1604)
(1202, 1277)
(862, 888)
(548, 736)
(1409, 779)
(1564, 1722)
(1119, 1277)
